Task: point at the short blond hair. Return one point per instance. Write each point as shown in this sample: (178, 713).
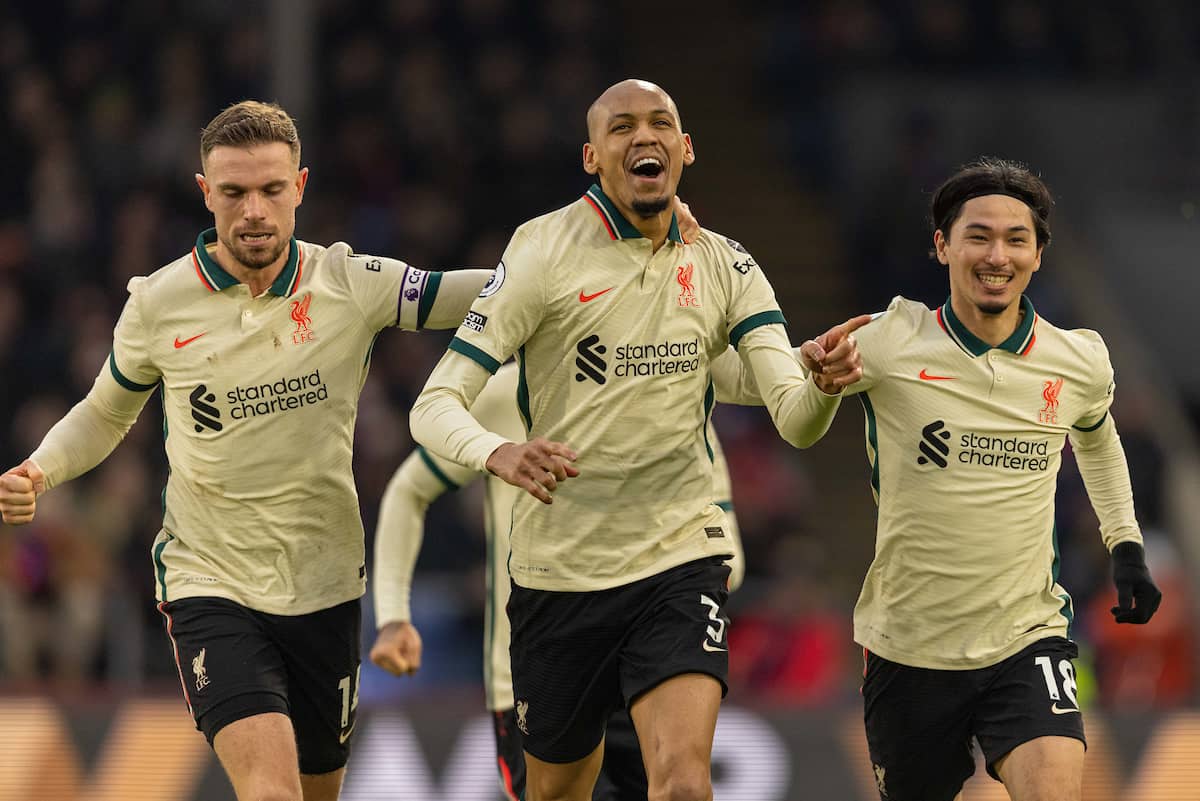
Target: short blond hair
(250, 122)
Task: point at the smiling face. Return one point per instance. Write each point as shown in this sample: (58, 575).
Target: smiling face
(991, 251)
(637, 147)
(253, 192)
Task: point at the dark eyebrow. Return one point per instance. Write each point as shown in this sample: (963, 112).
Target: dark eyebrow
(1011, 229)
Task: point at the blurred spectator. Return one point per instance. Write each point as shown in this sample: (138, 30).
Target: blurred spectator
(789, 645)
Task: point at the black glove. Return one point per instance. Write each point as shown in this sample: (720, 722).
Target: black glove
(1134, 584)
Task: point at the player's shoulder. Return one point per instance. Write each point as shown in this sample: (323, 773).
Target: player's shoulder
(181, 274)
(333, 260)
(901, 314)
(559, 222)
(1083, 345)
(725, 251)
(552, 238)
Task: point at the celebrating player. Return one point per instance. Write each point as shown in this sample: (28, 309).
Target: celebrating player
(261, 344)
(963, 622)
(422, 478)
(618, 585)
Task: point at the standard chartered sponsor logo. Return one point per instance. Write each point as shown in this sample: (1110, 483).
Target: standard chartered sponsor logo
(661, 358)
(1005, 453)
(1008, 453)
(277, 396)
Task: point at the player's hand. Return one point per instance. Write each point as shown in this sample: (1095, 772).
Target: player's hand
(689, 226)
(1137, 597)
(397, 648)
(536, 466)
(19, 488)
(832, 358)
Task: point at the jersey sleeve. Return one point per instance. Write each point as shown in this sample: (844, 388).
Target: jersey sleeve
(401, 528)
(801, 412)
(751, 299)
(879, 339)
(1100, 395)
(509, 308)
(130, 362)
(390, 292)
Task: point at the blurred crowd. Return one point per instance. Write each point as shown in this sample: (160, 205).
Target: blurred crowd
(432, 130)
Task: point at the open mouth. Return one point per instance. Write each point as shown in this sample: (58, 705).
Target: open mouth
(994, 281)
(255, 238)
(647, 167)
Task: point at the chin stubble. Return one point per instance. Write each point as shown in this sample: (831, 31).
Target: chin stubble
(649, 208)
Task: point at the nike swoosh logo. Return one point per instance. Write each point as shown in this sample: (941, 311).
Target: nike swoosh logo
(345, 735)
(711, 648)
(179, 343)
(924, 376)
(1058, 710)
(585, 298)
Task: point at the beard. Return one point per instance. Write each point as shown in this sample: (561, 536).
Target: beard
(992, 307)
(649, 208)
(255, 258)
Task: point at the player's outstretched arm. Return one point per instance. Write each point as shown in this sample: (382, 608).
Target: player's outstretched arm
(537, 466)
(19, 488)
(456, 292)
(1105, 473)
(832, 359)
(802, 407)
(82, 439)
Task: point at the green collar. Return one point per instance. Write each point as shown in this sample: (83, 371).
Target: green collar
(1019, 342)
(215, 278)
(615, 223)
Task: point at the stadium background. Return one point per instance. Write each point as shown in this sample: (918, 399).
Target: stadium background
(432, 128)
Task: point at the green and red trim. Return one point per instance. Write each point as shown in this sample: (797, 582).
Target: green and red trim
(615, 223)
(215, 278)
(1020, 342)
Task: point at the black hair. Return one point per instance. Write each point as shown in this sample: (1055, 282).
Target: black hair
(992, 176)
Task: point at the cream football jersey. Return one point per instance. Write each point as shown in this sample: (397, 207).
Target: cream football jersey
(496, 408)
(260, 397)
(965, 442)
(614, 343)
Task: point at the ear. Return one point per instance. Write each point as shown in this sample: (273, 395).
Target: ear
(204, 190)
(591, 161)
(939, 246)
(689, 153)
(1037, 262)
(301, 182)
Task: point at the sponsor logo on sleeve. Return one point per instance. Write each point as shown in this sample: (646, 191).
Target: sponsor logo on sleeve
(745, 265)
(475, 321)
(494, 283)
